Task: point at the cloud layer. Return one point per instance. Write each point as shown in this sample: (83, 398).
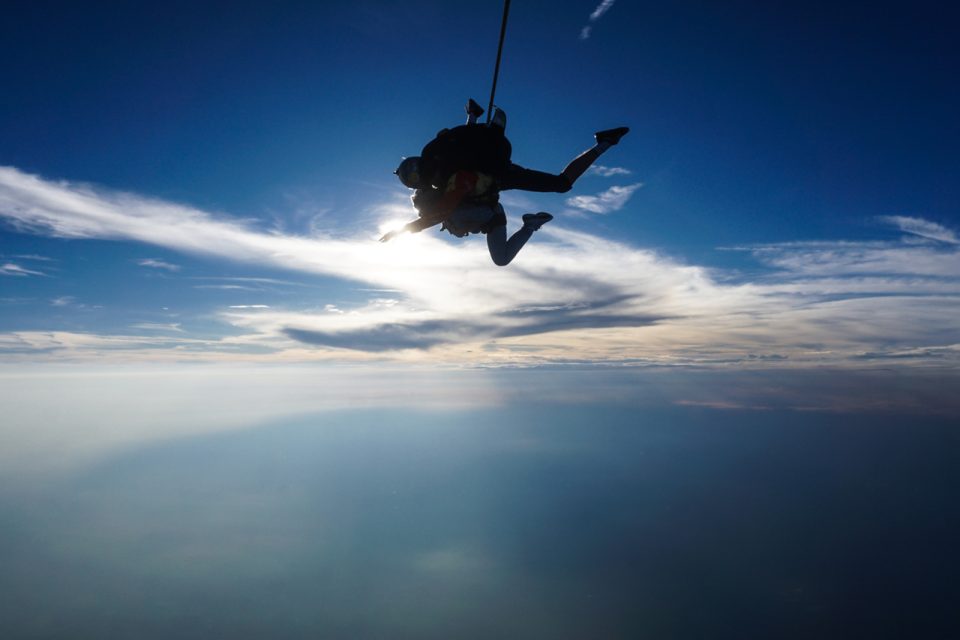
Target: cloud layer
(569, 297)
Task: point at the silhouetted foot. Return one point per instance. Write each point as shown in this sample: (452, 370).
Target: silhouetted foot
(534, 221)
(499, 118)
(611, 136)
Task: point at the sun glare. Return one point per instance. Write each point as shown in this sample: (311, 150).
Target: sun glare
(392, 224)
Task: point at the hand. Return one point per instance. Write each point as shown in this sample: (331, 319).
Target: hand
(390, 234)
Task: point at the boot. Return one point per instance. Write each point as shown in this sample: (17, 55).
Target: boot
(611, 136)
(534, 221)
(499, 118)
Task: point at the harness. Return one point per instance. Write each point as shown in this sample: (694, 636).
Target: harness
(481, 149)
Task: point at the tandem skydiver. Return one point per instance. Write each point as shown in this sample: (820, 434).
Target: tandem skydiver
(459, 175)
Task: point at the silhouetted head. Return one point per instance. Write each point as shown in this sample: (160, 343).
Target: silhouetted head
(409, 172)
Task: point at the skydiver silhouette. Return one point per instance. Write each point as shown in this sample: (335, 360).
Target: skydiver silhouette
(459, 175)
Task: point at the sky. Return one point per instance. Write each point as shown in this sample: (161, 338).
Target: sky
(206, 184)
(191, 290)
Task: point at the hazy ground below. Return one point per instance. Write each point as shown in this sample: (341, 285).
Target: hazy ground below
(521, 521)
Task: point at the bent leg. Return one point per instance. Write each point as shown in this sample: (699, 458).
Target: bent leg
(503, 251)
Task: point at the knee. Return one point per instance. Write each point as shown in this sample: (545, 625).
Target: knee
(564, 184)
(500, 256)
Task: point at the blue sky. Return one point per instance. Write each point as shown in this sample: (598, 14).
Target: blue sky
(207, 185)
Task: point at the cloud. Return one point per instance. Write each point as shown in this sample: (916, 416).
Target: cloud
(249, 280)
(887, 263)
(598, 13)
(569, 298)
(608, 172)
(13, 269)
(601, 9)
(226, 287)
(35, 257)
(922, 228)
(613, 199)
(158, 326)
(385, 337)
(430, 333)
(71, 302)
(158, 264)
(239, 283)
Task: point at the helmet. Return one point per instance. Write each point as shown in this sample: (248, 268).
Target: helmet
(409, 172)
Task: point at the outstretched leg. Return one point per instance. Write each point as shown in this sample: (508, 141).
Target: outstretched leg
(518, 177)
(503, 251)
(605, 140)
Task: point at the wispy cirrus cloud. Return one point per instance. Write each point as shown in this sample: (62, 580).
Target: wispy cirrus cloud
(158, 326)
(249, 280)
(597, 13)
(227, 287)
(613, 199)
(71, 302)
(841, 261)
(245, 283)
(608, 172)
(18, 271)
(154, 263)
(601, 9)
(33, 256)
(569, 297)
(922, 228)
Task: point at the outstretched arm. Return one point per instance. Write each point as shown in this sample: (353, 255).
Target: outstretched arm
(414, 226)
(434, 213)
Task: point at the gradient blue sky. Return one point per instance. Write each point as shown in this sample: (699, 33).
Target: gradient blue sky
(210, 181)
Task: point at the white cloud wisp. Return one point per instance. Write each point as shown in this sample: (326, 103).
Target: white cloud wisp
(597, 13)
(608, 172)
(613, 199)
(922, 228)
(153, 263)
(14, 269)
